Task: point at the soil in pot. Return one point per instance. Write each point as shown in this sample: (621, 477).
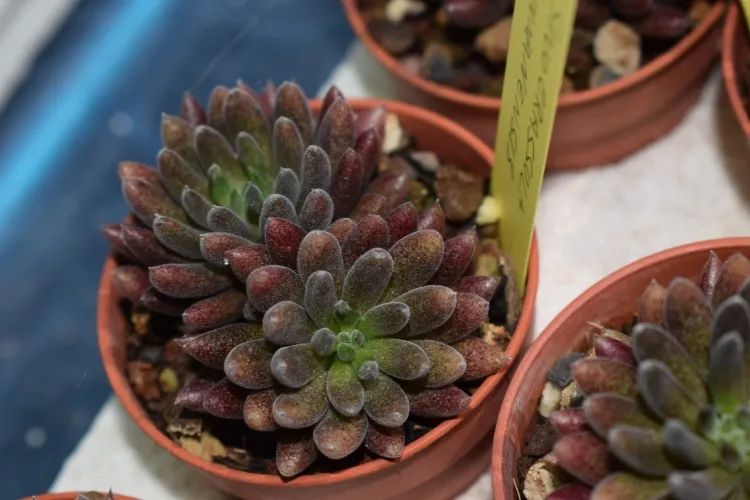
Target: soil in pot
(157, 367)
(463, 44)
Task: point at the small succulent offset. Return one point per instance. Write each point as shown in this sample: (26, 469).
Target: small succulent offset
(667, 416)
(223, 174)
(360, 333)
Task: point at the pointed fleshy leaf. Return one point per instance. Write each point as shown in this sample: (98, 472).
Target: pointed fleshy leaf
(446, 364)
(664, 395)
(727, 382)
(224, 220)
(384, 320)
(291, 102)
(470, 312)
(214, 246)
(569, 421)
(594, 375)
(249, 365)
(216, 311)
(303, 407)
(267, 99)
(317, 211)
(320, 251)
(294, 366)
(399, 358)
(257, 164)
(584, 456)
(710, 275)
(178, 237)
(214, 149)
(369, 146)
(146, 248)
(651, 304)
(342, 228)
(211, 348)
(242, 113)
(711, 484)
(641, 450)
(431, 306)
(337, 436)
(287, 184)
(193, 393)
(135, 170)
(387, 442)
(336, 129)
(734, 272)
(370, 204)
(624, 485)
(196, 206)
(177, 135)
(686, 448)
(320, 298)
(604, 411)
(295, 452)
(386, 402)
(277, 206)
(283, 240)
(316, 171)
(163, 304)
(402, 221)
(445, 402)
(370, 232)
(345, 184)
(572, 491)
(287, 146)
(416, 258)
(216, 108)
(113, 234)
(482, 359)
(286, 323)
(458, 254)
(147, 200)
(373, 118)
(687, 316)
(484, 286)
(270, 285)
(258, 411)
(188, 281)
(176, 173)
(433, 218)
(130, 282)
(607, 347)
(332, 94)
(245, 259)
(225, 400)
(191, 110)
(345, 392)
(367, 279)
(394, 186)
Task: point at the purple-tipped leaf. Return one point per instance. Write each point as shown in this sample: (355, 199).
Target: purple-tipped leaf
(458, 254)
(176, 174)
(178, 237)
(470, 313)
(214, 246)
(145, 247)
(242, 113)
(211, 348)
(192, 394)
(367, 278)
(387, 442)
(368, 146)
(651, 305)
(287, 323)
(734, 272)
(386, 402)
(431, 306)
(416, 258)
(607, 347)
(331, 96)
(188, 281)
(595, 375)
(346, 183)
(337, 436)
(277, 206)
(320, 251)
(446, 364)
(384, 320)
(196, 206)
(433, 218)
(295, 452)
(445, 402)
(370, 204)
(270, 285)
(225, 400)
(484, 286)
(163, 304)
(291, 102)
(303, 407)
(336, 129)
(710, 275)
(283, 239)
(569, 421)
(258, 411)
(287, 145)
(394, 186)
(605, 411)
(317, 211)
(245, 259)
(341, 228)
(402, 221)
(147, 200)
(294, 366)
(216, 108)
(482, 359)
(399, 358)
(320, 298)
(370, 232)
(191, 110)
(216, 311)
(249, 365)
(584, 456)
(687, 316)
(641, 450)
(316, 171)
(130, 282)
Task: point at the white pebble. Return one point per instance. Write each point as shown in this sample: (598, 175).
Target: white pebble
(550, 399)
(394, 134)
(397, 10)
(541, 480)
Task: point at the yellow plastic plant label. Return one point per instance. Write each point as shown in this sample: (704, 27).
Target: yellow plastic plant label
(746, 10)
(539, 39)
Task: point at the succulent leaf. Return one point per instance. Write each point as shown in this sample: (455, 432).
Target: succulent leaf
(367, 278)
(283, 240)
(225, 400)
(196, 206)
(469, 314)
(336, 129)
(651, 305)
(384, 320)
(710, 276)
(607, 347)
(249, 365)
(320, 251)
(337, 436)
(443, 402)
(176, 174)
(482, 359)
(295, 452)
(346, 183)
(483, 286)
(624, 485)
(291, 102)
(257, 410)
(320, 298)
(583, 456)
(269, 285)
(687, 316)
(303, 407)
(433, 218)
(605, 411)
(316, 171)
(416, 258)
(294, 366)
(686, 448)
(245, 259)
(459, 252)
(193, 393)
(225, 220)
(402, 221)
(287, 323)
(317, 211)
(431, 306)
(640, 449)
(213, 312)
(446, 364)
(288, 147)
(708, 484)
(386, 402)
(734, 272)
(188, 281)
(388, 442)
(726, 375)
(345, 392)
(242, 113)
(595, 375)
(214, 246)
(569, 420)
(399, 358)
(664, 394)
(370, 232)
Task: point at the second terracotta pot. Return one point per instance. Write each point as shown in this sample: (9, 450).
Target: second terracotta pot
(610, 302)
(67, 496)
(593, 127)
(437, 466)
(735, 54)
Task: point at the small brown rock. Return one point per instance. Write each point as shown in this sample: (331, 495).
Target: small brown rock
(579, 54)
(396, 38)
(618, 47)
(141, 322)
(494, 41)
(460, 192)
(541, 440)
(143, 379)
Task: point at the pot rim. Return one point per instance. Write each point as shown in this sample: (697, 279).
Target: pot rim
(126, 397)
(68, 495)
(539, 344)
(572, 100)
(732, 28)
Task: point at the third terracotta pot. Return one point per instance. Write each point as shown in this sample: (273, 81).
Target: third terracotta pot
(592, 127)
(735, 57)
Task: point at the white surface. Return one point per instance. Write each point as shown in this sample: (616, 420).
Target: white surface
(694, 184)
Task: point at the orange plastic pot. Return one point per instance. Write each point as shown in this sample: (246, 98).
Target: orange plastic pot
(67, 496)
(734, 53)
(592, 127)
(611, 301)
(438, 465)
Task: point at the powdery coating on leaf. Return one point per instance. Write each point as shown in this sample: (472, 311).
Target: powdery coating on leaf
(112, 233)
(367, 278)
(584, 456)
(387, 442)
(726, 374)
(459, 252)
(332, 94)
(270, 285)
(294, 366)
(416, 258)
(336, 129)
(663, 394)
(470, 312)
(483, 286)
(446, 364)
(144, 246)
(401, 222)
(304, 407)
(224, 220)
(188, 281)
(130, 282)
(225, 400)
(641, 450)
(341, 228)
(286, 323)
(368, 146)
(323, 342)
(162, 304)
(148, 199)
(444, 402)
(196, 206)
(246, 259)
(345, 392)
(373, 118)
(316, 171)
(193, 393)
(317, 211)
(482, 359)
(568, 421)
(393, 185)
(624, 485)
(433, 218)
(384, 320)
(694, 451)
(604, 411)
(249, 365)
(320, 251)
(399, 358)
(211, 348)
(370, 204)
(283, 239)
(337, 436)
(287, 184)
(253, 202)
(605, 375)
(320, 298)
(732, 315)
(242, 113)
(370, 232)
(135, 170)
(710, 275)
(216, 107)
(651, 305)
(607, 347)
(347, 179)
(287, 145)
(177, 135)
(291, 102)
(573, 491)
(175, 174)
(215, 311)
(257, 411)
(687, 316)
(386, 402)
(277, 206)
(431, 306)
(178, 237)
(295, 452)
(734, 273)
(214, 149)
(213, 246)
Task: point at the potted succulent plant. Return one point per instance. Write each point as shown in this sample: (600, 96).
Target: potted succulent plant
(308, 305)
(624, 58)
(735, 65)
(638, 388)
(88, 495)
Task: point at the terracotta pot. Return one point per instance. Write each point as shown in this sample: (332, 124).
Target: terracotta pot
(734, 53)
(67, 496)
(593, 127)
(611, 301)
(426, 468)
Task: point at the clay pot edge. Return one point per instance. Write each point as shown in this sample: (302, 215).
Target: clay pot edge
(732, 34)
